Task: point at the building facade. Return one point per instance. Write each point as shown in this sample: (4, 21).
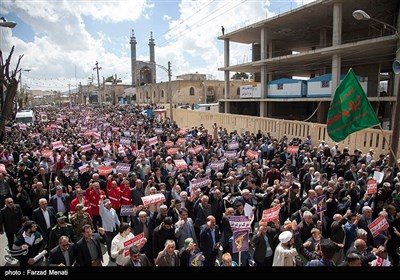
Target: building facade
(316, 39)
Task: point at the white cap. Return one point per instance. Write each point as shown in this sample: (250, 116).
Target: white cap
(285, 236)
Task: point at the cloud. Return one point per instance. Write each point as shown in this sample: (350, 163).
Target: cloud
(69, 35)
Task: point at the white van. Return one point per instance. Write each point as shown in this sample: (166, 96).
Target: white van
(25, 117)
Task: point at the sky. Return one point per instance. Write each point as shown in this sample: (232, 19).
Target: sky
(61, 40)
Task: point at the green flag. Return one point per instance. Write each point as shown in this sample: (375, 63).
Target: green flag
(350, 110)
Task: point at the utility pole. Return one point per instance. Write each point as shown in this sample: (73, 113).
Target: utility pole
(97, 68)
(69, 95)
(170, 92)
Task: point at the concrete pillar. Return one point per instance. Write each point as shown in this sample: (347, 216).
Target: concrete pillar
(322, 112)
(264, 55)
(372, 74)
(263, 109)
(323, 37)
(336, 41)
(226, 75)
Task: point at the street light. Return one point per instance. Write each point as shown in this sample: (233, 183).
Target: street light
(5, 23)
(362, 15)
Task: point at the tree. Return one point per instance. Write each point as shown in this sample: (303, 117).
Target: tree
(9, 82)
(239, 76)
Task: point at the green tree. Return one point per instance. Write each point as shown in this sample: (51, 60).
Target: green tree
(9, 82)
(239, 76)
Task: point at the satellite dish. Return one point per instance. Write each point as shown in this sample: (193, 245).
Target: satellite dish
(396, 67)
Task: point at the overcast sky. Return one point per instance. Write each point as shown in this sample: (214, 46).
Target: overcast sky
(62, 40)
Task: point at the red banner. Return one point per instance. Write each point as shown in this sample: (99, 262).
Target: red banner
(46, 153)
(105, 170)
(180, 164)
(138, 240)
(153, 199)
(252, 154)
(378, 225)
(292, 149)
(173, 151)
(372, 186)
(271, 214)
(168, 144)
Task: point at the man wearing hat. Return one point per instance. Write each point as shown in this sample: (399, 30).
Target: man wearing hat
(285, 253)
(60, 229)
(79, 219)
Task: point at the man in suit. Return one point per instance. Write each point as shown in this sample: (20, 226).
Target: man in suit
(184, 228)
(11, 219)
(209, 241)
(45, 217)
(137, 259)
(263, 250)
(88, 247)
(64, 254)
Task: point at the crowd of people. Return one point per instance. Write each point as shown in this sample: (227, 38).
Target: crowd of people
(155, 194)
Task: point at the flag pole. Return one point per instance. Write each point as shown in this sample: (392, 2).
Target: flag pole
(387, 143)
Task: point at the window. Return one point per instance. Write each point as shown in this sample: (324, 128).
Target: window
(162, 94)
(154, 94)
(192, 91)
(324, 84)
(279, 86)
(238, 91)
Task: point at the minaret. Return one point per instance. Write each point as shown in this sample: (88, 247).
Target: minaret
(152, 59)
(133, 58)
(151, 45)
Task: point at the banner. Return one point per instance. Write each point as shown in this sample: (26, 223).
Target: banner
(191, 151)
(127, 210)
(180, 164)
(180, 141)
(240, 241)
(125, 141)
(239, 223)
(168, 144)
(378, 225)
(200, 183)
(86, 147)
(198, 148)
(217, 165)
(153, 141)
(270, 215)
(172, 151)
(233, 146)
(230, 154)
(46, 153)
(252, 154)
(56, 144)
(124, 168)
(287, 180)
(372, 186)
(153, 199)
(138, 240)
(82, 169)
(105, 170)
(321, 203)
(292, 149)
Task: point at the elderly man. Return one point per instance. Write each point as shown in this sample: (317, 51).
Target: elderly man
(60, 201)
(44, 216)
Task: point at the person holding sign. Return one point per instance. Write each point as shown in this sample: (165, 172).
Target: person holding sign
(118, 249)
